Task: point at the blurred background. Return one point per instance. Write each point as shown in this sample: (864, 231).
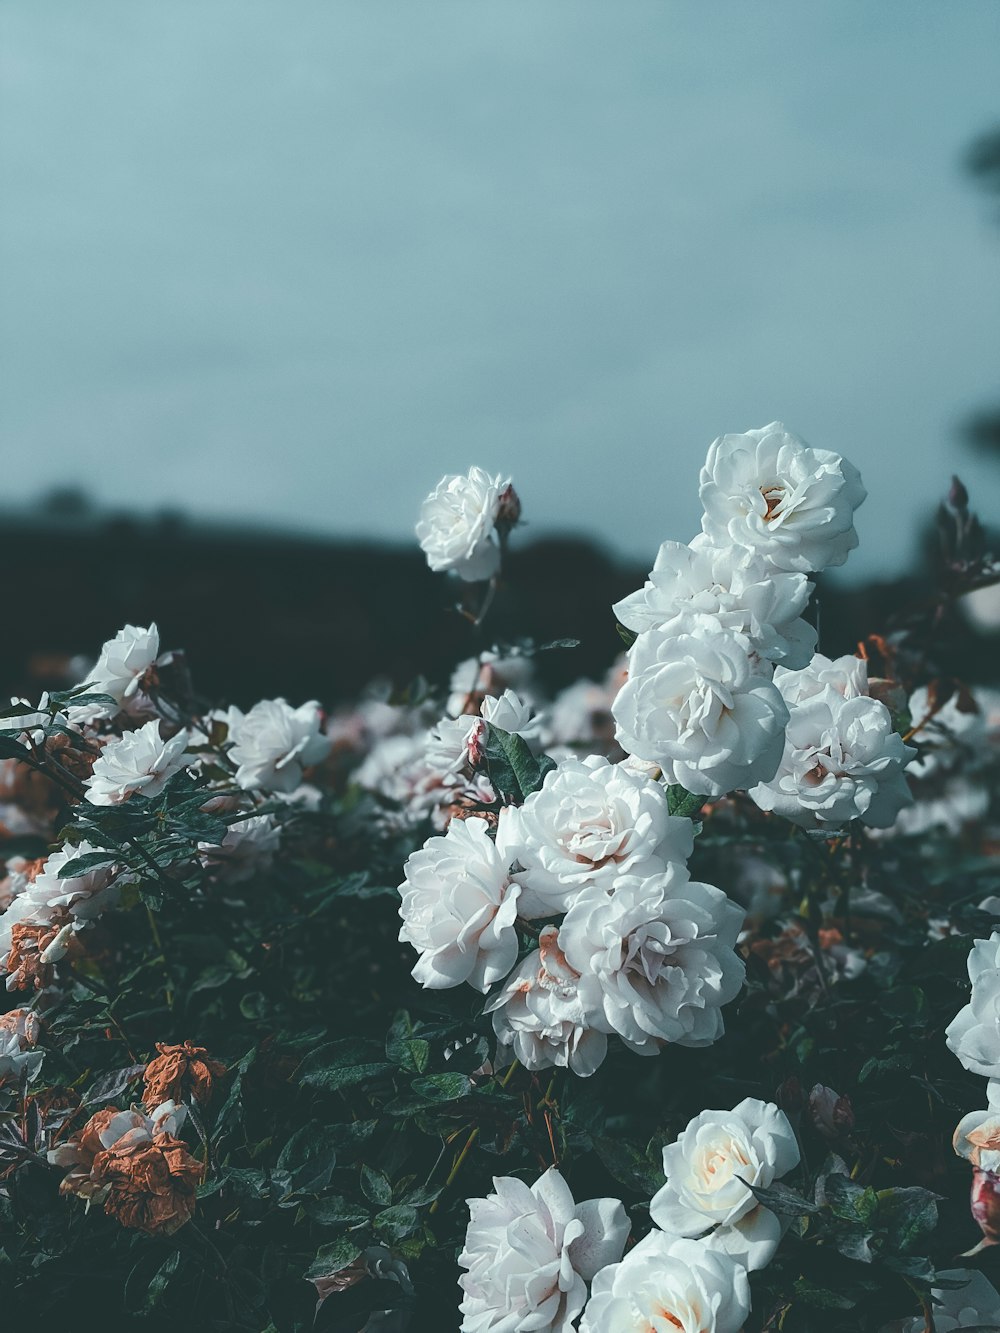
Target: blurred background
(268, 270)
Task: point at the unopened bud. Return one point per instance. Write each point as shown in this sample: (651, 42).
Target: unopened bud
(832, 1114)
(985, 1207)
(509, 508)
(958, 496)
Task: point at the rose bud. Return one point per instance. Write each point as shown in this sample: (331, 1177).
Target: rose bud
(832, 1114)
(985, 1207)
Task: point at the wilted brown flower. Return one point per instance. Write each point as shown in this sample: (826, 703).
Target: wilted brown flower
(25, 1022)
(79, 1153)
(151, 1185)
(26, 966)
(180, 1072)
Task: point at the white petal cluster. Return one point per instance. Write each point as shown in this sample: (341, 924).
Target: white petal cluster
(457, 526)
(948, 734)
(542, 1015)
(666, 1284)
(48, 895)
(656, 957)
(140, 761)
(700, 706)
(977, 1135)
(458, 909)
(590, 822)
(842, 759)
(529, 1253)
(739, 588)
(767, 491)
(274, 742)
(709, 1170)
(120, 667)
(248, 847)
(973, 1035)
(19, 1033)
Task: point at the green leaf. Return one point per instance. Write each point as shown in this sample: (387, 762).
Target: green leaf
(639, 1171)
(403, 1049)
(375, 1186)
(334, 1078)
(333, 1257)
(395, 1223)
(821, 1298)
(334, 1211)
(513, 769)
(83, 865)
(442, 1087)
(682, 802)
(908, 1216)
(627, 636)
(783, 1200)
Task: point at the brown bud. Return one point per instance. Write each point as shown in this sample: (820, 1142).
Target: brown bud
(985, 1206)
(509, 511)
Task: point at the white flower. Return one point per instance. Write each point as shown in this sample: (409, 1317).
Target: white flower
(488, 674)
(459, 908)
(768, 491)
(511, 713)
(842, 759)
(709, 1170)
(977, 1135)
(456, 743)
(457, 527)
(656, 958)
(140, 761)
(589, 822)
(274, 742)
(739, 588)
(696, 704)
(666, 1284)
(48, 895)
(19, 1033)
(581, 715)
(846, 676)
(119, 670)
(975, 1306)
(249, 846)
(529, 1253)
(973, 1035)
(543, 1016)
(947, 734)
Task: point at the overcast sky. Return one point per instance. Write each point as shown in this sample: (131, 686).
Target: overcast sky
(294, 260)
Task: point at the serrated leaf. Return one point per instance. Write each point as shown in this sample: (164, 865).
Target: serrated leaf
(683, 803)
(512, 767)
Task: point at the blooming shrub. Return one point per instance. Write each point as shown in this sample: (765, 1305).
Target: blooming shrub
(669, 1002)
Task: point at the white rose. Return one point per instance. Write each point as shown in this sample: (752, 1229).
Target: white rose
(709, 1169)
(119, 670)
(977, 1135)
(529, 1253)
(696, 704)
(19, 1033)
(842, 760)
(975, 1306)
(248, 847)
(543, 1016)
(669, 1285)
(948, 734)
(488, 674)
(656, 957)
(274, 742)
(846, 676)
(739, 588)
(768, 491)
(140, 761)
(457, 527)
(973, 1035)
(459, 909)
(589, 822)
(511, 713)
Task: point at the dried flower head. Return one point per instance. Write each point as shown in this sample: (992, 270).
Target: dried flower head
(179, 1073)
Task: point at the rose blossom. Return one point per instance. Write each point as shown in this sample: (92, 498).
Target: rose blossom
(667, 1284)
(529, 1253)
(273, 743)
(180, 1071)
(696, 704)
(249, 846)
(973, 1035)
(47, 896)
(457, 529)
(140, 761)
(768, 491)
(119, 670)
(740, 589)
(709, 1170)
(459, 908)
(589, 822)
(543, 1015)
(842, 759)
(19, 1033)
(656, 957)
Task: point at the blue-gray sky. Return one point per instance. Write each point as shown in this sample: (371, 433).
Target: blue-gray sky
(295, 259)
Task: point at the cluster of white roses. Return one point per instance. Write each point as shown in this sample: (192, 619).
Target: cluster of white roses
(125, 744)
(529, 1252)
(724, 691)
(641, 951)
